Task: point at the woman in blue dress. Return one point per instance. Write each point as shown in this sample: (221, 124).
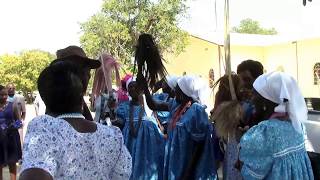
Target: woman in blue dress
(10, 145)
(141, 136)
(189, 151)
(167, 85)
(275, 148)
(221, 120)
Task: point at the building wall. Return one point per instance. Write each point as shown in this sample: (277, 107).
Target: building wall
(241, 53)
(297, 62)
(200, 55)
(198, 58)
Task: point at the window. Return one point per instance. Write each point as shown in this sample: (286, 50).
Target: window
(316, 74)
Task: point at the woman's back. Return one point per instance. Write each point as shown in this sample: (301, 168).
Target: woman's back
(54, 145)
(274, 150)
(146, 145)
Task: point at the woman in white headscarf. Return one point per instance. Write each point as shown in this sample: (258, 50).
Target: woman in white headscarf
(168, 86)
(189, 151)
(275, 148)
(141, 135)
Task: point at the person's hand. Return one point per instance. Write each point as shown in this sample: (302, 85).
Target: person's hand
(141, 80)
(240, 132)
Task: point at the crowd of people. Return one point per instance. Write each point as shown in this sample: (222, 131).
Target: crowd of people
(140, 132)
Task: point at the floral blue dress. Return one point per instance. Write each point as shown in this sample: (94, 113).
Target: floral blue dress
(147, 148)
(192, 128)
(274, 150)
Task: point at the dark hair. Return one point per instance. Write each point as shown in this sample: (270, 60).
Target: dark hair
(61, 88)
(149, 60)
(254, 67)
(2, 87)
(124, 85)
(223, 94)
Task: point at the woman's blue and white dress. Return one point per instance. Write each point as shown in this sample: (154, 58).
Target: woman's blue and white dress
(147, 148)
(192, 128)
(274, 150)
(163, 116)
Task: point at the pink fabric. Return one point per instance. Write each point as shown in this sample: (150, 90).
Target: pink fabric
(122, 95)
(278, 115)
(126, 77)
(103, 75)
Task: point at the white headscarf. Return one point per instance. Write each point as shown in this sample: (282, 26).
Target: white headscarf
(194, 87)
(278, 86)
(172, 81)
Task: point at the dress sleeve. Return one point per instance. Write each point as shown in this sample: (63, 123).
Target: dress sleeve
(256, 152)
(123, 167)
(121, 111)
(198, 124)
(40, 149)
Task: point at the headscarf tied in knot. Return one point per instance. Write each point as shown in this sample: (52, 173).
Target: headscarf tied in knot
(172, 81)
(103, 76)
(283, 90)
(194, 87)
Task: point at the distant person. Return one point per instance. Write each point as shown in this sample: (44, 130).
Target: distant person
(63, 144)
(39, 106)
(18, 101)
(10, 145)
(104, 97)
(122, 93)
(85, 64)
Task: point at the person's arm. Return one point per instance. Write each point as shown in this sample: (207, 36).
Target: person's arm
(35, 174)
(22, 105)
(36, 105)
(153, 105)
(16, 112)
(23, 110)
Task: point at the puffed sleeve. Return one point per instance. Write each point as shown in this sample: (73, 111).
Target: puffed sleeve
(40, 148)
(256, 152)
(198, 124)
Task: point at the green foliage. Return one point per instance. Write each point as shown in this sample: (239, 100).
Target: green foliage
(23, 69)
(250, 26)
(117, 26)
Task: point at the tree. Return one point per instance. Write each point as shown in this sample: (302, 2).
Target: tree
(117, 26)
(250, 26)
(23, 69)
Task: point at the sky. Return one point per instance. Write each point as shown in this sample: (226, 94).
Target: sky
(53, 24)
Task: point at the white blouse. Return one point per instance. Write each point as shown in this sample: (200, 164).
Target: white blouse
(53, 145)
